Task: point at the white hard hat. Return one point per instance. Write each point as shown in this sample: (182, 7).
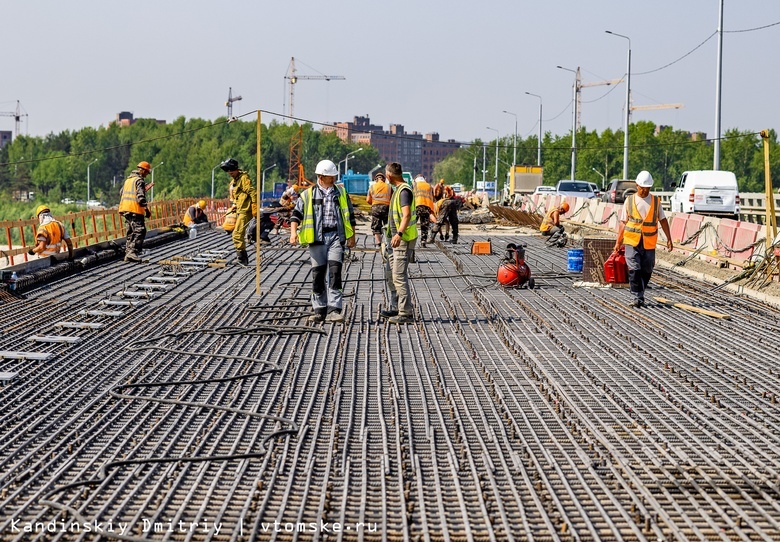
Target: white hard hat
(419, 177)
(644, 179)
(326, 167)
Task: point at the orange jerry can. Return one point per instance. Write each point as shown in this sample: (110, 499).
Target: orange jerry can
(615, 268)
(481, 247)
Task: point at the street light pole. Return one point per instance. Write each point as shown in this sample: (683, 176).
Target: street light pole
(718, 84)
(628, 104)
(88, 166)
(155, 167)
(573, 123)
(603, 178)
(346, 160)
(539, 146)
(495, 176)
(212, 180)
(266, 169)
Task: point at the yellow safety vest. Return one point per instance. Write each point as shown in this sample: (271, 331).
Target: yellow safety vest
(53, 233)
(129, 201)
(644, 229)
(410, 233)
(422, 194)
(306, 234)
(379, 193)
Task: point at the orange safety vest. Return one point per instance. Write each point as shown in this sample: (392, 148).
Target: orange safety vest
(548, 222)
(642, 229)
(53, 233)
(422, 194)
(379, 193)
(129, 201)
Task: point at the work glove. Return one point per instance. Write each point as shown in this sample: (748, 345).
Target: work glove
(31, 252)
(254, 209)
(148, 213)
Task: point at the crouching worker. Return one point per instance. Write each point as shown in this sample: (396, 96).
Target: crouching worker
(551, 225)
(324, 216)
(51, 235)
(196, 214)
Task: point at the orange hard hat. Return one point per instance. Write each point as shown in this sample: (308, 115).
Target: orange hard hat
(565, 207)
(144, 165)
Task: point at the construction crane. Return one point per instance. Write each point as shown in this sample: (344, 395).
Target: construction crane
(652, 107)
(229, 102)
(17, 115)
(296, 175)
(586, 85)
(292, 79)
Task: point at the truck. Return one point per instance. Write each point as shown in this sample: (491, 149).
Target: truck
(706, 192)
(524, 179)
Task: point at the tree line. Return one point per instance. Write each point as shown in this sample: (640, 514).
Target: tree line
(186, 151)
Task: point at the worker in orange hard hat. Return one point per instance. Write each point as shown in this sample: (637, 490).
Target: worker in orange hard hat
(134, 208)
(551, 224)
(51, 235)
(196, 214)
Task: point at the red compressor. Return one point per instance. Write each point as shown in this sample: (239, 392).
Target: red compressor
(513, 271)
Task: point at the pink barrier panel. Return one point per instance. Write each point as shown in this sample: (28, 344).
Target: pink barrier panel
(727, 231)
(747, 233)
(691, 225)
(679, 222)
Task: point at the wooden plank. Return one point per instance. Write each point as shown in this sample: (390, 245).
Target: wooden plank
(691, 308)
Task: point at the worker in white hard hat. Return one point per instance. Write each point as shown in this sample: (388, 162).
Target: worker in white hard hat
(324, 221)
(638, 229)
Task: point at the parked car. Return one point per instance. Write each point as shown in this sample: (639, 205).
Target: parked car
(544, 190)
(618, 190)
(68, 201)
(578, 189)
(707, 192)
(596, 189)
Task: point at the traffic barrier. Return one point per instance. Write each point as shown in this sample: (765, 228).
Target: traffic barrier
(727, 232)
(747, 233)
(679, 225)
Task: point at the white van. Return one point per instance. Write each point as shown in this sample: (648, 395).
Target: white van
(707, 192)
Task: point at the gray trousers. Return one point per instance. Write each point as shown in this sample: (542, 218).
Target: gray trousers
(640, 263)
(397, 276)
(326, 261)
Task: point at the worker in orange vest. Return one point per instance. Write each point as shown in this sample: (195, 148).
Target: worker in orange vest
(551, 224)
(51, 235)
(133, 208)
(638, 229)
(379, 198)
(423, 199)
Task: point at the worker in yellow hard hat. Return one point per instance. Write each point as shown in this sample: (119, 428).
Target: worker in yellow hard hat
(196, 214)
(51, 235)
(134, 209)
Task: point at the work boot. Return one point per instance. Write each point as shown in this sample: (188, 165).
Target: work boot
(243, 257)
(454, 239)
(132, 257)
(334, 316)
(446, 237)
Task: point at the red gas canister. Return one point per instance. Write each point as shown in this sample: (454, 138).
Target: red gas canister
(615, 268)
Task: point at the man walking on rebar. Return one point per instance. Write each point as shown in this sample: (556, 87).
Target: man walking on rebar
(245, 204)
(133, 208)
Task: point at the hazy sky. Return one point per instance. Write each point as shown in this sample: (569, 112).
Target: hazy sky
(441, 66)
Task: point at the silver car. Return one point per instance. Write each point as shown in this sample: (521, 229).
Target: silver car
(577, 189)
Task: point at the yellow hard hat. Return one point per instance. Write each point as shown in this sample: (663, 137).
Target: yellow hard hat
(202, 204)
(42, 209)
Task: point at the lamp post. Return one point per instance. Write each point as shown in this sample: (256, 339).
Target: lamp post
(88, 166)
(573, 122)
(603, 178)
(212, 180)
(539, 146)
(495, 176)
(266, 169)
(628, 103)
(718, 85)
(346, 160)
(155, 167)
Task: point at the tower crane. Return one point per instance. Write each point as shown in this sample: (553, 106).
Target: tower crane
(652, 107)
(17, 115)
(586, 85)
(292, 79)
(229, 102)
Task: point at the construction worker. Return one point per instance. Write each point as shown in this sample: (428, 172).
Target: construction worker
(401, 232)
(448, 212)
(290, 196)
(245, 204)
(444, 228)
(195, 214)
(324, 215)
(51, 235)
(551, 224)
(379, 198)
(423, 200)
(438, 190)
(638, 229)
(133, 208)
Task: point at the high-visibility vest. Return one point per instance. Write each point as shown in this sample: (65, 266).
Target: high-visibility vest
(187, 219)
(548, 222)
(306, 233)
(53, 233)
(410, 233)
(129, 201)
(379, 193)
(422, 194)
(638, 228)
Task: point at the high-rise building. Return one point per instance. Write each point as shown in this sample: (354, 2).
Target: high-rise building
(417, 153)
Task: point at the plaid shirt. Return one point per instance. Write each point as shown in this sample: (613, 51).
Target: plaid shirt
(329, 206)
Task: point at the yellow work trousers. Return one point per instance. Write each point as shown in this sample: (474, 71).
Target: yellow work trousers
(239, 233)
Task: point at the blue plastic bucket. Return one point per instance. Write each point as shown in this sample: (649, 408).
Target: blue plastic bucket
(575, 260)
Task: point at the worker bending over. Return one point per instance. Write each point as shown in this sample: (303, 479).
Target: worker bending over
(196, 214)
(51, 235)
